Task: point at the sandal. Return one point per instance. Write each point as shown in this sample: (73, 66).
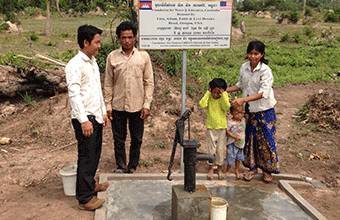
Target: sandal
(267, 177)
(249, 174)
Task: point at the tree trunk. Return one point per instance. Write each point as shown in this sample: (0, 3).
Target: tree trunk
(57, 3)
(304, 10)
(48, 26)
(18, 80)
(234, 5)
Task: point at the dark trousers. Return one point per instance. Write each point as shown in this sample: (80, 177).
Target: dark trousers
(89, 149)
(119, 130)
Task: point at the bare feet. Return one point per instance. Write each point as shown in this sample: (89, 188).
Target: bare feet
(228, 170)
(220, 174)
(210, 174)
(238, 175)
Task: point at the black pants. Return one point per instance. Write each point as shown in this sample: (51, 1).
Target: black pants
(89, 150)
(119, 130)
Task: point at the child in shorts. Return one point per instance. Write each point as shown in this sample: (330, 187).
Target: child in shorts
(216, 100)
(236, 139)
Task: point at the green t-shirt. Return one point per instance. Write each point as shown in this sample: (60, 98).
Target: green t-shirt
(217, 110)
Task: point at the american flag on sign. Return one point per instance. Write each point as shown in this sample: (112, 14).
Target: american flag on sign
(145, 5)
(226, 6)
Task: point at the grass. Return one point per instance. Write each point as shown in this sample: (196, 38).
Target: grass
(160, 144)
(145, 163)
(27, 99)
(309, 60)
(64, 34)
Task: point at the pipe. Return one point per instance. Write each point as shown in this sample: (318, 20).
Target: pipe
(202, 156)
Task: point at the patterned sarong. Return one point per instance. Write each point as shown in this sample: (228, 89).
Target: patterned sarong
(260, 146)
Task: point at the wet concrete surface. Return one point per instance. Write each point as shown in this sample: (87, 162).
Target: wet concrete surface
(150, 198)
(256, 200)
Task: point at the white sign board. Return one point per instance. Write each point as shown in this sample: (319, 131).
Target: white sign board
(184, 25)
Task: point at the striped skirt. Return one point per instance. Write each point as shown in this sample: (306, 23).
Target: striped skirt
(260, 145)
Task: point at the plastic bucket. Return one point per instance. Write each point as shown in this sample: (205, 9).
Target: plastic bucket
(69, 174)
(218, 209)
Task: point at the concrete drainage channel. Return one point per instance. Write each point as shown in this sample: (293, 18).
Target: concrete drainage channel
(148, 196)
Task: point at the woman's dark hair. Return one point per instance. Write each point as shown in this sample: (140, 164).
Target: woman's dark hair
(87, 32)
(218, 83)
(258, 46)
(125, 26)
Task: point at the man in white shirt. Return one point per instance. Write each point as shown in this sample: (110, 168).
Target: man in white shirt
(88, 115)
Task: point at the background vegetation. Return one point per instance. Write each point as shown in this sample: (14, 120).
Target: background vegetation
(307, 49)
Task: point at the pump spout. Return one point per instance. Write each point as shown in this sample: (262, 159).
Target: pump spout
(209, 157)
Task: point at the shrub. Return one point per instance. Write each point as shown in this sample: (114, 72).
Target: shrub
(81, 7)
(66, 56)
(273, 31)
(297, 38)
(173, 62)
(10, 57)
(32, 11)
(308, 31)
(105, 49)
(239, 6)
(101, 4)
(65, 35)
(337, 38)
(281, 17)
(32, 36)
(3, 27)
(285, 38)
(51, 44)
(234, 20)
(308, 11)
(294, 17)
(331, 17)
(11, 16)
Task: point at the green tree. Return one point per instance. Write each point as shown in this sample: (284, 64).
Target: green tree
(8, 6)
(250, 5)
(313, 3)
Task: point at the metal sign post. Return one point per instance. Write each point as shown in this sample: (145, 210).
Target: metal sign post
(178, 24)
(184, 86)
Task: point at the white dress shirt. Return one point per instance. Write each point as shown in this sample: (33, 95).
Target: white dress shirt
(260, 80)
(84, 88)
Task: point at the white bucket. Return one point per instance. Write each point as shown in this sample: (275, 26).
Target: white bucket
(69, 174)
(218, 209)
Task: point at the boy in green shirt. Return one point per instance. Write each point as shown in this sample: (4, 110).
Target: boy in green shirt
(216, 100)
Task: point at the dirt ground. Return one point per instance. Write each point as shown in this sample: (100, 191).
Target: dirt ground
(43, 140)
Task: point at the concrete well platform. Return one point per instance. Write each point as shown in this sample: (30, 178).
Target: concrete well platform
(148, 196)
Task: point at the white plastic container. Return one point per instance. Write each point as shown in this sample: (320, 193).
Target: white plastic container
(309, 179)
(218, 209)
(69, 174)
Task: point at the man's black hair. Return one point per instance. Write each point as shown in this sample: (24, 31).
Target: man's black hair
(218, 83)
(125, 26)
(87, 32)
